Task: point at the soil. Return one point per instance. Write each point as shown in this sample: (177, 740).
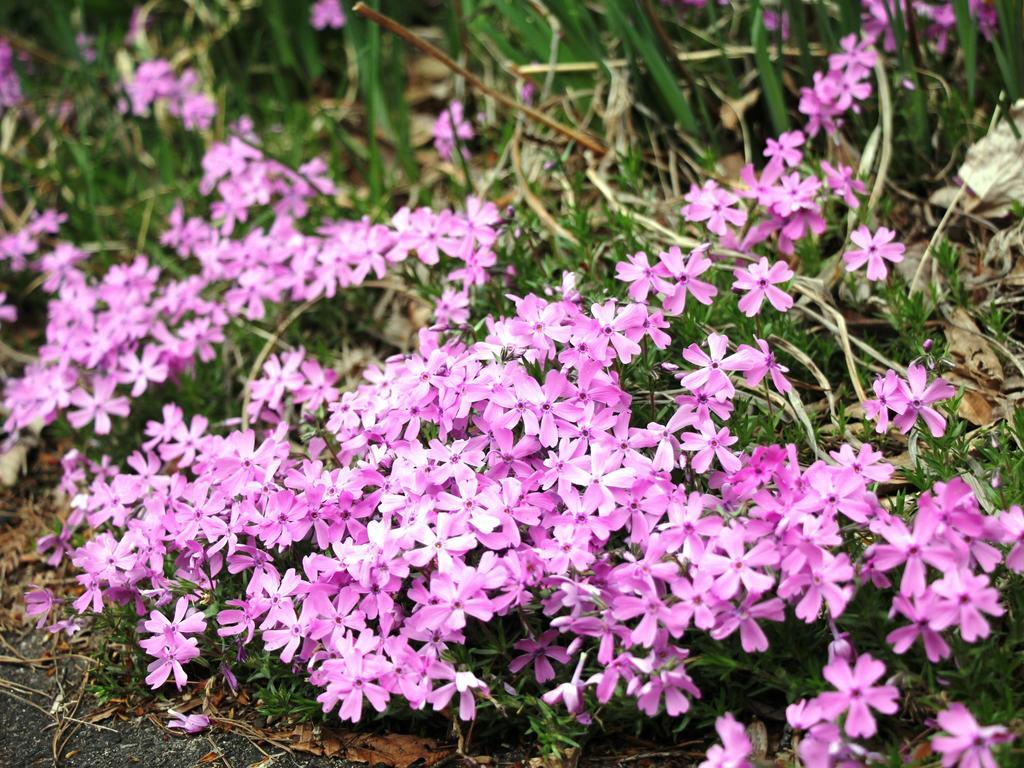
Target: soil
(44, 722)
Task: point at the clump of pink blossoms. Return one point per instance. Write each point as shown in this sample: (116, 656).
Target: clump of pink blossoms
(154, 82)
(326, 14)
(10, 84)
(452, 129)
(503, 476)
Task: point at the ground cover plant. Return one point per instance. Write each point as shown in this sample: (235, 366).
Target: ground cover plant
(608, 373)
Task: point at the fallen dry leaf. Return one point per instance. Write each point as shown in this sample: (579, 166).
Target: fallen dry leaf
(395, 749)
(993, 171)
(976, 408)
(921, 751)
(970, 351)
(731, 165)
(13, 463)
(758, 735)
(732, 110)
(104, 712)
(569, 759)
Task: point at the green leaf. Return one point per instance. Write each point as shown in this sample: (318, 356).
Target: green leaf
(770, 85)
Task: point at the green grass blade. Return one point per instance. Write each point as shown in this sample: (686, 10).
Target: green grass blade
(631, 25)
(797, 11)
(770, 84)
(1010, 52)
(279, 31)
(967, 34)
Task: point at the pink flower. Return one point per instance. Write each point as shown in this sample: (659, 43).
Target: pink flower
(452, 129)
(40, 602)
(888, 397)
(843, 183)
(170, 643)
(735, 748)
(463, 683)
(324, 14)
(611, 328)
(10, 85)
(733, 565)
(962, 599)
(685, 274)
(711, 375)
(188, 723)
(967, 744)
(709, 444)
(140, 372)
(541, 652)
(355, 676)
(821, 582)
(8, 312)
(760, 362)
(785, 149)
(97, 406)
(857, 695)
(1013, 524)
(718, 207)
(875, 250)
(918, 611)
(759, 280)
(918, 395)
(569, 693)
(637, 271)
(867, 462)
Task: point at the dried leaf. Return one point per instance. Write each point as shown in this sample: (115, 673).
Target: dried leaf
(103, 713)
(396, 750)
(758, 735)
(568, 759)
(13, 463)
(922, 751)
(210, 757)
(731, 165)
(976, 408)
(732, 110)
(970, 350)
(993, 171)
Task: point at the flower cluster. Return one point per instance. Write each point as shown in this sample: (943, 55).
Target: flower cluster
(937, 20)
(785, 200)
(154, 83)
(326, 14)
(468, 481)
(906, 400)
(461, 487)
(504, 471)
(114, 338)
(10, 84)
(841, 88)
(452, 129)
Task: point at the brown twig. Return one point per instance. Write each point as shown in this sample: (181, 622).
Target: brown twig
(591, 143)
(915, 44)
